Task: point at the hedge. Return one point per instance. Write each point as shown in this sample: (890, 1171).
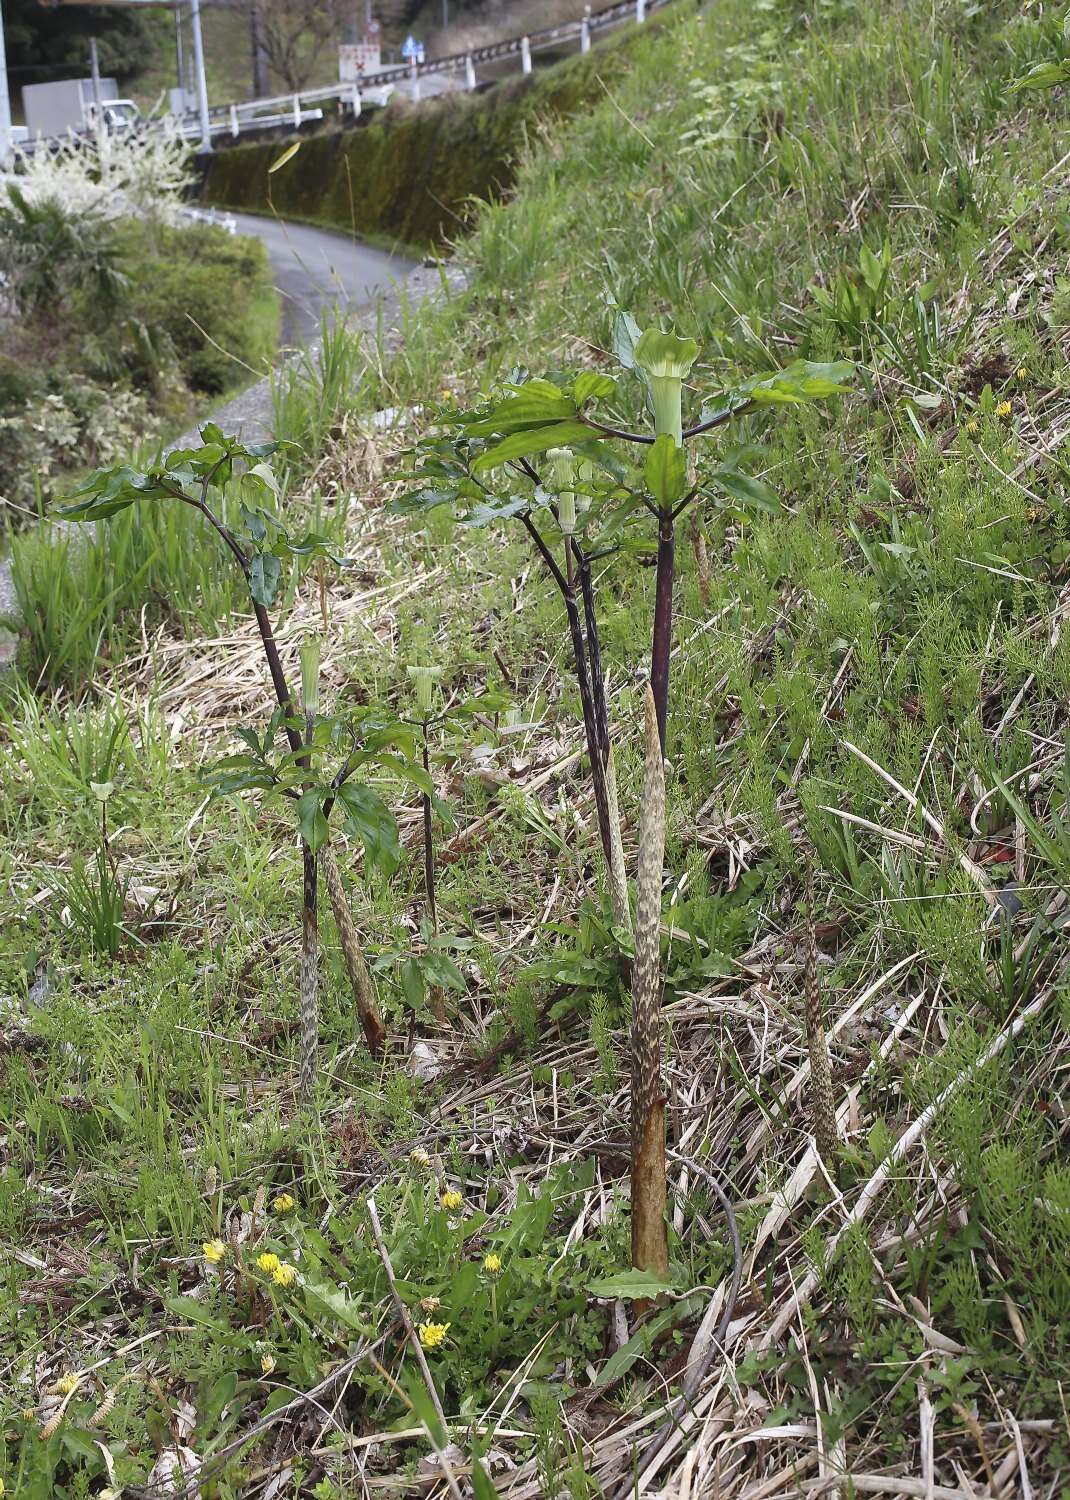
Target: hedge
(409, 176)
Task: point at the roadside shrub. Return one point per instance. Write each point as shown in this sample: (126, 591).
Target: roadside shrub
(187, 283)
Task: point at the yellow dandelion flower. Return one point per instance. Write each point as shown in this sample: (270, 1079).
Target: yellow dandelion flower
(1021, 372)
(284, 1275)
(1003, 410)
(268, 1261)
(492, 1264)
(452, 1200)
(267, 1364)
(3, 1486)
(283, 1203)
(433, 1334)
(66, 1384)
(973, 425)
(28, 1414)
(214, 1251)
(419, 1157)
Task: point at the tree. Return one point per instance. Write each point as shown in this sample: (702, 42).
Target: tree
(290, 36)
(49, 42)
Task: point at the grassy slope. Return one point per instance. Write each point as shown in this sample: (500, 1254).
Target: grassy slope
(907, 602)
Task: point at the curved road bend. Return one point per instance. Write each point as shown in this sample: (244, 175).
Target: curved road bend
(316, 270)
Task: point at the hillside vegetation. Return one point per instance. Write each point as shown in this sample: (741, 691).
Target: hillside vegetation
(868, 699)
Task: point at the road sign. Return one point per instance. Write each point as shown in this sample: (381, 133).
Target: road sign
(356, 60)
(412, 50)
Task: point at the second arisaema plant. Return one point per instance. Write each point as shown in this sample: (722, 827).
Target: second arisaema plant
(561, 458)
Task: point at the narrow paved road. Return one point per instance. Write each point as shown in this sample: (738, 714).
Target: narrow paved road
(316, 271)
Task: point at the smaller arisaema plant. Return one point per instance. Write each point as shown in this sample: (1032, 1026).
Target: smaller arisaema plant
(222, 476)
(325, 776)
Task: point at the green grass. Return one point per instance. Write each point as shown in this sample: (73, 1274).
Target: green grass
(905, 602)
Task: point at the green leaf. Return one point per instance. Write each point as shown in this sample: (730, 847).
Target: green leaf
(265, 570)
(802, 381)
(665, 471)
(626, 335)
(411, 979)
(1044, 75)
(746, 489)
(523, 444)
(529, 408)
(288, 155)
(192, 1311)
(310, 819)
(629, 1285)
(591, 386)
(369, 818)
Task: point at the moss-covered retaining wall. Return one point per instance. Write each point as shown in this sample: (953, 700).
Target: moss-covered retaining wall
(409, 176)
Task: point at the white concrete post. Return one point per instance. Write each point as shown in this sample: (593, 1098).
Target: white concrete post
(640, 11)
(414, 79)
(525, 55)
(356, 100)
(585, 30)
(202, 81)
(297, 111)
(469, 72)
(234, 119)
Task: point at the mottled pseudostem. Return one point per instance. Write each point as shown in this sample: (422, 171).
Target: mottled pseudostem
(702, 562)
(824, 1105)
(616, 872)
(360, 979)
(649, 1244)
(310, 971)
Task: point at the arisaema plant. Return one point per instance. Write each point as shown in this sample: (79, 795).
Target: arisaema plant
(564, 458)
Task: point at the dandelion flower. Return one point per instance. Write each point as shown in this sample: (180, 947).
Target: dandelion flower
(492, 1264)
(214, 1251)
(419, 1157)
(973, 425)
(283, 1203)
(267, 1364)
(66, 1384)
(1003, 410)
(28, 1414)
(1021, 372)
(284, 1275)
(2, 1487)
(433, 1334)
(451, 1200)
(430, 1304)
(268, 1261)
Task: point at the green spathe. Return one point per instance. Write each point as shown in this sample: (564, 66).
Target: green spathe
(666, 361)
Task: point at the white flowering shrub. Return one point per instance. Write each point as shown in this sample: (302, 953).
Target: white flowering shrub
(110, 174)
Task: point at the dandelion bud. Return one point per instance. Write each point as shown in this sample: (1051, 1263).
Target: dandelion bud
(310, 674)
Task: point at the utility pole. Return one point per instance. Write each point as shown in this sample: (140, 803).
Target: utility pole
(179, 60)
(5, 101)
(94, 69)
(202, 82)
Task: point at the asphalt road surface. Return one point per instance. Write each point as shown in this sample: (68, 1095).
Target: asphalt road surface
(317, 271)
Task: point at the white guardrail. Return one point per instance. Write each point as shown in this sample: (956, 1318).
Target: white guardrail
(415, 80)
